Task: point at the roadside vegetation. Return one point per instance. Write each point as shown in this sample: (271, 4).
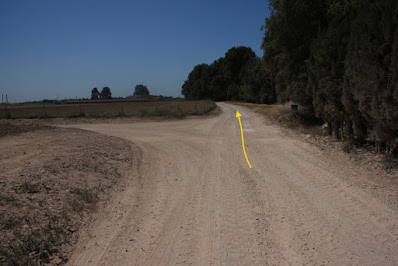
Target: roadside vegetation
(108, 109)
(238, 76)
(336, 59)
(7, 128)
(304, 122)
(283, 114)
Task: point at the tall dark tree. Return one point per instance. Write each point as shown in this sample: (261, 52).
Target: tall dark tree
(326, 68)
(340, 58)
(371, 70)
(106, 93)
(289, 32)
(95, 94)
(141, 90)
(237, 76)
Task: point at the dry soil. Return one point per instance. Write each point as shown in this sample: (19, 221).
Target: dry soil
(194, 200)
(50, 180)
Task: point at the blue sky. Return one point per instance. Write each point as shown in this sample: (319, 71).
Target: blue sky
(53, 48)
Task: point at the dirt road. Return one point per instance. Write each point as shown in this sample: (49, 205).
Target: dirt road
(194, 200)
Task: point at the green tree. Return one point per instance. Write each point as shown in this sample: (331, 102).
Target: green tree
(338, 58)
(197, 86)
(371, 71)
(237, 76)
(326, 68)
(141, 90)
(106, 93)
(289, 32)
(95, 94)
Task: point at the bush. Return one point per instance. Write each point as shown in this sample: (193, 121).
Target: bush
(143, 112)
(308, 118)
(77, 115)
(390, 159)
(390, 162)
(349, 145)
(30, 188)
(87, 195)
(35, 248)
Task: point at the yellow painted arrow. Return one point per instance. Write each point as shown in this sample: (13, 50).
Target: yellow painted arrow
(238, 115)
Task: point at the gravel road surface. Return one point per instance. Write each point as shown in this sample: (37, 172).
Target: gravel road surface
(193, 199)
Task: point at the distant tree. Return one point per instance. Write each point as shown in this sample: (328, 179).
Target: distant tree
(95, 94)
(237, 76)
(141, 90)
(106, 93)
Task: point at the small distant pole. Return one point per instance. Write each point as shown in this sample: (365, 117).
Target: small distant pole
(5, 105)
(2, 99)
(6, 99)
(45, 111)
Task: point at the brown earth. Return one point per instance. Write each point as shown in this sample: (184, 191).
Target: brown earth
(50, 180)
(194, 200)
(111, 108)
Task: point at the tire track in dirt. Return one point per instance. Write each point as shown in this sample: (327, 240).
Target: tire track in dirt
(194, 201)
(322, 219)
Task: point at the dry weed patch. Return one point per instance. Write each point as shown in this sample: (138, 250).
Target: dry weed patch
(283, 115)
(50, 182)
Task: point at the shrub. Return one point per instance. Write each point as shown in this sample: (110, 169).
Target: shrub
(349, 145)
(390, 159)
(30, 188)
(87, 195)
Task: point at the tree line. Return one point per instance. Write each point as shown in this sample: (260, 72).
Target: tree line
(140, 90)
(104, 94)
(238, 75)
(339, 59)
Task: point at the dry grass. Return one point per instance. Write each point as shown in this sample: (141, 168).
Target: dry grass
(14, 129)
(108, 109)
(283, 115)
(276, 112)
(303, 123)
(50, 181)
(272, 111)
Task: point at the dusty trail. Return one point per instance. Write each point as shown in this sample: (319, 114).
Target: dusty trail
(194, 200)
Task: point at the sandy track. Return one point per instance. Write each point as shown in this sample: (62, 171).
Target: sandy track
(194, 200)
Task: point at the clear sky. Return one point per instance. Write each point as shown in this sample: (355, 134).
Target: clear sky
(62, 49)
